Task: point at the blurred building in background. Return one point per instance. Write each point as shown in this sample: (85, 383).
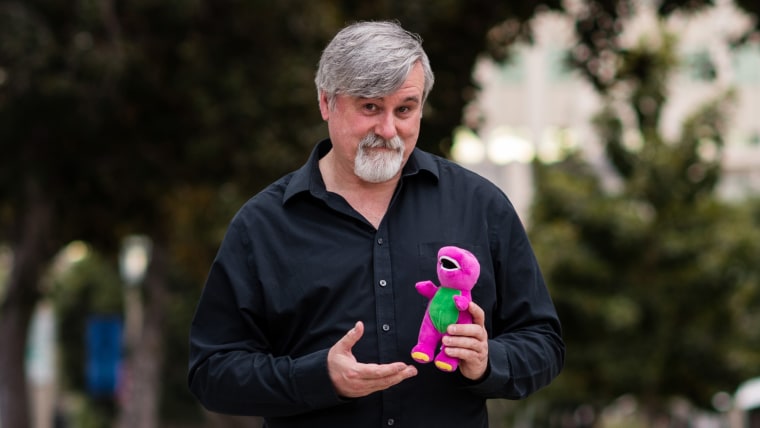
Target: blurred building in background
(534, 105)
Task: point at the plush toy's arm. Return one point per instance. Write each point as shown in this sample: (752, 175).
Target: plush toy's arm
(462, 302)
(426, 288)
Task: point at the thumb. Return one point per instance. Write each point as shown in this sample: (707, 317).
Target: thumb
(349, 340)
(478, 315)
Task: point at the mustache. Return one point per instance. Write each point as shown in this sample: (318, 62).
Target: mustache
(373, 141)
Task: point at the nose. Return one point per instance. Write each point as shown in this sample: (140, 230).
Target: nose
(386, 126)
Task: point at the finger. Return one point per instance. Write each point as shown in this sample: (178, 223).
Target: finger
(463, 353)
(466, 342)
(407, 372)
(478, 315)
(472, 364)
(380, 379)
(368, 378)
(372, 372)
(351, 337)
(476, 331)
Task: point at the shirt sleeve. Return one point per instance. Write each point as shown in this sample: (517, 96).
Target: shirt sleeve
(232, 369)
(526, 350)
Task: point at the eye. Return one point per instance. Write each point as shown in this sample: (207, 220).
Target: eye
(371, 107)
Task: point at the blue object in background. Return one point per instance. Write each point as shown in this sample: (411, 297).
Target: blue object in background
(104, 345)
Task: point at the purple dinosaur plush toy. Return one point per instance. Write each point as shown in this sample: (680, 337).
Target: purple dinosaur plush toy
(458, 271)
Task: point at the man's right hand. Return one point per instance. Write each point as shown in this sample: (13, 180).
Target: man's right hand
(354, 379)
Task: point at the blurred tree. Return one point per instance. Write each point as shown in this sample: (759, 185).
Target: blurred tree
(89, 287)
(598, 23)
(654, 277)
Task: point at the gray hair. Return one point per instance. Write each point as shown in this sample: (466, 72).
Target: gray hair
(369, 60)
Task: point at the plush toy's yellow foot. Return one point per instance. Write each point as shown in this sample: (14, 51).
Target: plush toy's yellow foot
(444, 366)
(421, 357)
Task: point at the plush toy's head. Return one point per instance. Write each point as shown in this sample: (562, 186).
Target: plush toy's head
(457, 268)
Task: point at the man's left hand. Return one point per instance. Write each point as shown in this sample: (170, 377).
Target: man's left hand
(469, 343)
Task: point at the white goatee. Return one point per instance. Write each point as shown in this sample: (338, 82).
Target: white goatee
(380, 166)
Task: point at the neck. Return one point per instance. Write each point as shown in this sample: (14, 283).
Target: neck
(371, 200)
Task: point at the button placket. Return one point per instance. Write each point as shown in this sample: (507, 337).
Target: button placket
(385, 318)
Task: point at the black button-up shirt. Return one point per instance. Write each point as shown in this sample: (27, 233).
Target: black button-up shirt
(299, 266)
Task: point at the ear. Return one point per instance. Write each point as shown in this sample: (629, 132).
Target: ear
(324, 106)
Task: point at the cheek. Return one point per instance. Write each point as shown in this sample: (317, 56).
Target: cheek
(354, 128)
(409, 131)
(341, 134)
(410, 139)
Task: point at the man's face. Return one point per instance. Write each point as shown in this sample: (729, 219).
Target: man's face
(373, 137)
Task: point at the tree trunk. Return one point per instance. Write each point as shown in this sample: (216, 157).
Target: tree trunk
(140, 402)
(14, 401)
(32, 249)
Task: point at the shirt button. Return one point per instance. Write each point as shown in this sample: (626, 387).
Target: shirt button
(383, 283)
(386, 327)
(379, 241)
(391, 422)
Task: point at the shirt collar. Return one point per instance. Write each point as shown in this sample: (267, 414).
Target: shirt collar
(309, 179)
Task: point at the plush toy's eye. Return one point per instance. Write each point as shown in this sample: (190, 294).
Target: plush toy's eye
(447, 263)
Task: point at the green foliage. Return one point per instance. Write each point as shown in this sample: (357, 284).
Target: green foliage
(178, 405)
(92, 287)
(654, 278)
(89, 287)
(88, 413)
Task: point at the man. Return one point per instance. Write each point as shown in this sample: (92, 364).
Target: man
(310, 312)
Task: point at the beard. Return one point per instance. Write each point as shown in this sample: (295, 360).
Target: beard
(381, 165)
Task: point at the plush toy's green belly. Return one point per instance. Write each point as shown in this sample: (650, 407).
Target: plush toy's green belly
(442, 310)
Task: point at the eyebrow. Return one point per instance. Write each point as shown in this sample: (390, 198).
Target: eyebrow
(411, 98)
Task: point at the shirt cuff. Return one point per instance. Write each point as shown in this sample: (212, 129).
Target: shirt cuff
(313, 381)
(497, 373)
